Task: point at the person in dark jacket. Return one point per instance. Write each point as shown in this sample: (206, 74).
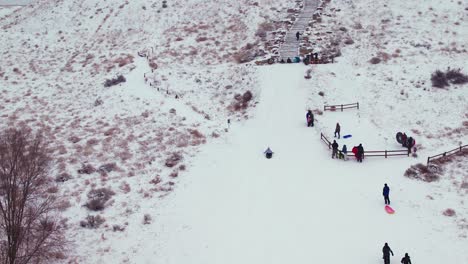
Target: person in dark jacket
(344, 153)
(403, 139)
(386, 193)
(334, 149)
(310, 118)
(409, 144)
(360, 153)
(268, 153)
(297, 35)
(337, 130)
(386, 253)
(406, 259)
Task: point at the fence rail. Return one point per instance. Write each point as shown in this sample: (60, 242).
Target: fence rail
(340, 106)
(325, 140)
(371, 153)
(446, 153)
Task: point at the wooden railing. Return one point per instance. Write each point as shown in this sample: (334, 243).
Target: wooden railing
(445, 154)
(325, 140)
(370, 153)
(341, 107)
(386, 153)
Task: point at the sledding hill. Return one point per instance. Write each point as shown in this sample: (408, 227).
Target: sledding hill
(138, 145)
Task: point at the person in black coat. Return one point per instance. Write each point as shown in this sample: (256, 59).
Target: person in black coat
(310, 118)
(297, 35)
(406, 259)
(386, 253)
(409, 144)
(334, 149)
(360, 153)
(268, 153)
(386, 193)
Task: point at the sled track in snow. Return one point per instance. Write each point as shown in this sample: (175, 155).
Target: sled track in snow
(290, 47)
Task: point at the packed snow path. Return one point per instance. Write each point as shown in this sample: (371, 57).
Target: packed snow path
(301, 206)
(290, 47)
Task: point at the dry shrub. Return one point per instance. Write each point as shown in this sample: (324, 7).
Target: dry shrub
(119, 228)
(422, 172)
(147, 219)
(375, 60)
(439, 79)
(108, 167)
(63, 177)
(98, 198)
(449, 212)
(124, 60)
(456, 76)
(86, 169)
(321, 93)
(125, 187)
(111, 82)
(173, 159)
(92, 221)
(156, 180)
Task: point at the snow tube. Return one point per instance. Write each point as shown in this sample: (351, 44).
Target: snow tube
(347, 136)
(399, 136)
(354, 150)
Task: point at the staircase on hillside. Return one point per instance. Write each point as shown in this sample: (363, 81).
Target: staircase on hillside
(290, 47)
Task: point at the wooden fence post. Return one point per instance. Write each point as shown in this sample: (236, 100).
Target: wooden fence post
(341, 108)
(357, 105)
(428, 158)
(385, 153)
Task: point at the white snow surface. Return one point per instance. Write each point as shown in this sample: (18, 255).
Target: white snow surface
(224, 202)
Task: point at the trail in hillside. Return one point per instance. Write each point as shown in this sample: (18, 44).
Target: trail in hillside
(299, 207)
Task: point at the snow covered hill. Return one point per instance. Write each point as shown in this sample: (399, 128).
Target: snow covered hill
(182, 187)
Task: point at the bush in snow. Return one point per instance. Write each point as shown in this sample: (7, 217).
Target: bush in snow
(456, 77)
(92, 221)
(439, 79)
(449, 212)
(147, 219)
(115, 81)
(422, 172)
(98, 198)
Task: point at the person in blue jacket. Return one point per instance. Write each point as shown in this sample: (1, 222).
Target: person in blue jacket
(386, 193)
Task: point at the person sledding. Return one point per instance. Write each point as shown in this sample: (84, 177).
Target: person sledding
(310, 118)
(268, 153)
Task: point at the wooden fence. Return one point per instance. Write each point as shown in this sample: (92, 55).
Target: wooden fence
(325, 140)
(370, 153)
(341, 107)
(445, 154)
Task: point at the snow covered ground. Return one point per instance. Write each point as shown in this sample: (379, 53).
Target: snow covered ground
(223, 202)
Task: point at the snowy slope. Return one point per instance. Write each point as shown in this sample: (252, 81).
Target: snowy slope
(226, 203)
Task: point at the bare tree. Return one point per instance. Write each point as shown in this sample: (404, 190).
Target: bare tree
(29, 227)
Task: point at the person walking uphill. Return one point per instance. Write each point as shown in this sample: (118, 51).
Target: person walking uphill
(386, 253)
(334, 149)
(297, 35)
(386, 193)
(406, 259)
(337, 130)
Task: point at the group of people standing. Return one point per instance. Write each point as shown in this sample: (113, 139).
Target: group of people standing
(386, 255)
